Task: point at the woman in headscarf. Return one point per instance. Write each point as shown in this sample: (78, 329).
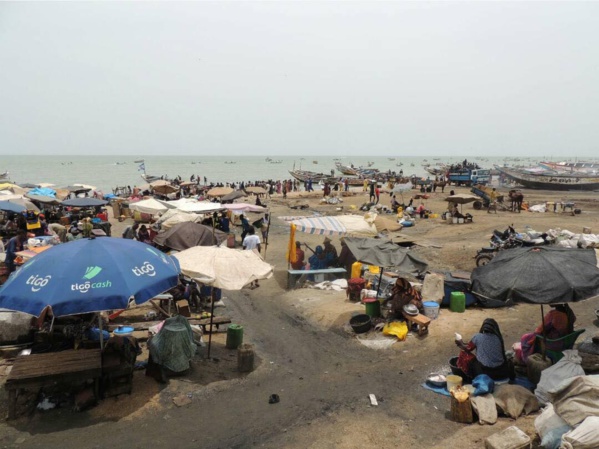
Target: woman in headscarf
(317, 260)
(558, 323)
(485, 353)
(403, 294)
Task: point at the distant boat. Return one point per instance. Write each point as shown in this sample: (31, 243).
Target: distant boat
(399, 164)
(4, 175)
(391, 158)
(315, 162)
(139, 161)
(150, 178)
(370, 164)
(346, 169)
(268, 159)
(304, 175)
(230, 162)
(279, 161)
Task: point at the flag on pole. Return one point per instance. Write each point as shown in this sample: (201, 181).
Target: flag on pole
(142, 167)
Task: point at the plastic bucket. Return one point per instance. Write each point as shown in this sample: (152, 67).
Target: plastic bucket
(457, 302)
(234, 336)
(453, 381)
(431, 309)
(373, 307)
(455, 220)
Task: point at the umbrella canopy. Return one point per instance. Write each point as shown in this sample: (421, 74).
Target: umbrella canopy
(219, 191)
(43, 199)
(12, 188)
(385, 253)
(540, 275)
(9, 206)
(77, 189)
(199, 207)
(85, 186)
(159, 182)
(179, 217)
(256, 190)
(23, 202)
(89, 275)
(188, 234)
(149, 206)
(355, 225)
(84, 202)
(222, 267)
(462, 199)
(233, 195)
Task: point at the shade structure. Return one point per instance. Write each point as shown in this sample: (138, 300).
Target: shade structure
(219, 191)
(222, 267)
(188, 234)
(9, 206)
(149, 206)
(43, 199)
(165, 189)
(85, 186)
(77, 189)
(256, 190)
(89, 275)
(540, 275)
(178, 217)
(12, 188)
(233, 195)
(385, 253)
(355, 225)
(244, 207)
(42, 191)
(84, 202)
(159, 182)
(402, 187)
(194, 206)
(21, 203)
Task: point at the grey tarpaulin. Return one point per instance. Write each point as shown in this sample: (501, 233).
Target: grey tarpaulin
(173, 346)
(385, 253)
(540, 275)
(188, 234)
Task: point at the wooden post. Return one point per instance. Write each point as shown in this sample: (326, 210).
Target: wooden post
(245, 358)
(461, 411)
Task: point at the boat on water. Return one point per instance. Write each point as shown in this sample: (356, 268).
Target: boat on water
(436, 171)
(230, 162)
(315, 162)
(573, 167)
(4, 175)
(150, 178)
(391, 158)
(346, 169)
(551, 180)
(399, 164)
(278, 161)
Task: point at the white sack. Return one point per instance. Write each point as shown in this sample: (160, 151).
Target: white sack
(433, 288)
(576, 399)
(552, 377)
(585, 436)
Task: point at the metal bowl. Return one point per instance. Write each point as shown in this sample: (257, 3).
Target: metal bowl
(410, 309)
(436, 380)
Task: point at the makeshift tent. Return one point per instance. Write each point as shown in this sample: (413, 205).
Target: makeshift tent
(385, 224)
(200, 207)
(12, 188)
(43, 198)
(42, 191)
(188, 234)
(355, 225)
(256, 190)
(385, 253)
(179, 217)
(149, 206)
(540, 275)
(233, 195)
(165, 189)
(219, 191)
(244, 207)
(462, 199)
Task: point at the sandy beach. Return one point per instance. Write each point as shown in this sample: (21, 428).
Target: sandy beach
(306, 355)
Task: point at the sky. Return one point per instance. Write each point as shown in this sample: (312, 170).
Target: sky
(300, 78)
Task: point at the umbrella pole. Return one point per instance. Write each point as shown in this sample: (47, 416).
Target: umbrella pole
(266, 239)
(101, 332)
(544, 332)
(211, 320)
(378, 288)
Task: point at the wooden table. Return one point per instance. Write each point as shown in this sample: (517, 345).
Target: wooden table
(42, 370)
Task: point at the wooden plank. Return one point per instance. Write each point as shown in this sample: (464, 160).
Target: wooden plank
(56, 363)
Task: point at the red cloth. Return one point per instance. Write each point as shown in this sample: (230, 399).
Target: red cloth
(556, 325)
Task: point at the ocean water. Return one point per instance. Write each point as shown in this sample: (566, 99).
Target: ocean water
(107, 172)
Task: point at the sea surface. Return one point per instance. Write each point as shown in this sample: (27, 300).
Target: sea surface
(108, 172)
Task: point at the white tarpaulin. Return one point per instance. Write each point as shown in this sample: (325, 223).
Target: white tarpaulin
(355, 225)
(402, 187)
(222, 267)
(180, 217)
(149, 206)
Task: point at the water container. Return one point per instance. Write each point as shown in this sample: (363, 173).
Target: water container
(453, 381)
(234, 336)
(374, 269)
(431, 309)
(373, 307)
(356, 270)
(457, 302)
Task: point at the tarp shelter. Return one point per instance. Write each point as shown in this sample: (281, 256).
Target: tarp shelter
(385, 253)
(12, 188)
(256, 190)
(200, 207)
(355, 225)
(84, 202)
(42, 191)
(77, 189)
(233, 195)
(179, 217)
(165, 189)
(189, 234)
(219, 191)
(401, 188)
(149, 206)
(244, 207)
(539, 275)
(43, 199)
(385, 224)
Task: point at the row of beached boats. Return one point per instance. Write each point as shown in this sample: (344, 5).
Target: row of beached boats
(555, 175)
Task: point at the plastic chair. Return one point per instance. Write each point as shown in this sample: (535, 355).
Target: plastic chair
(553, 348)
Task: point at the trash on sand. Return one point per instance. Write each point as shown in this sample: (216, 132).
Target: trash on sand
(181, 400)
(373, 399)
(274, 399)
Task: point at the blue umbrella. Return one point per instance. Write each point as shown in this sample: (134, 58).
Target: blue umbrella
(7, 206)
(84, 202)
(89, 275)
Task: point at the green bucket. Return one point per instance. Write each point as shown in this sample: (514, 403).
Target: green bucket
(373, 307)
(234, 336)
(457, 302)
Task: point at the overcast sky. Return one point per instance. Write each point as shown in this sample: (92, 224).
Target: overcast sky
(290, 78)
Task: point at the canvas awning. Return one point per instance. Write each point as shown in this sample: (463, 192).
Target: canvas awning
(355, 225)
(149, 206)
(385, 253)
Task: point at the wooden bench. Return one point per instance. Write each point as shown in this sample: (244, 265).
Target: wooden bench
(204, 322)
(420, 320)
(295, 277)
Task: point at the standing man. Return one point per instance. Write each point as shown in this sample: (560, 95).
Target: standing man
(14, 246)
(250, 242)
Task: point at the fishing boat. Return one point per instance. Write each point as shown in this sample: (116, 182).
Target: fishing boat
(346, 169)
(551, 180)
(150, 178)
(391, 158)
(315, 162)
(278, 161)
(4, 175)
(304, 175)
(436, 171)
(573, 167)
(230, 162)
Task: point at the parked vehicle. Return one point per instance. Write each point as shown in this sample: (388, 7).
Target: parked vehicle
(469, 177)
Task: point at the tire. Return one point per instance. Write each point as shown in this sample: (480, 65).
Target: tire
(477, 205)
(483, 259)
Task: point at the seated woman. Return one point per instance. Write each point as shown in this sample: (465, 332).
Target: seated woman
(484, 354)
(403, 294)
(318, 260)
(558, 323)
